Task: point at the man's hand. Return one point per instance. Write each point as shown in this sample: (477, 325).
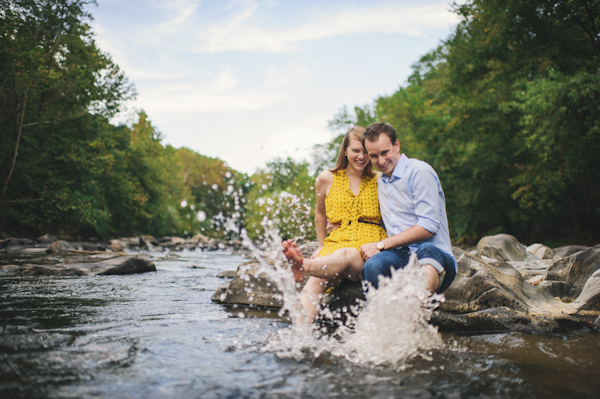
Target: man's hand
(315, 254)
(368, 250)
(330, 227)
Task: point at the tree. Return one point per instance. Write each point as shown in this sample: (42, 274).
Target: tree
(51, 72)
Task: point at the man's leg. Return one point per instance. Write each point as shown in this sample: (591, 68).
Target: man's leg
(380, 264)
(440, 267)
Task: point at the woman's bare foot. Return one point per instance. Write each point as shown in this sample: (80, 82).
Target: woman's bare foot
(294, 255)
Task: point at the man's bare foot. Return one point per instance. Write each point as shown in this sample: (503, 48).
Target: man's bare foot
(294, 255)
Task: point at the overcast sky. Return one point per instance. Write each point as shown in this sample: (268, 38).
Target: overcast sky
(250, 80)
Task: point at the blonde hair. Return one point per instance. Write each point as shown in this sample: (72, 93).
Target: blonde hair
(342, 161)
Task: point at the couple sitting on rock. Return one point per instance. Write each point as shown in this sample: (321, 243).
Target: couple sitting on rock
(406, 194)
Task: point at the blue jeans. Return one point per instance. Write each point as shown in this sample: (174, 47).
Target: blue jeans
(381, 264)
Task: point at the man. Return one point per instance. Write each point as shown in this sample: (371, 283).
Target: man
(413, 208)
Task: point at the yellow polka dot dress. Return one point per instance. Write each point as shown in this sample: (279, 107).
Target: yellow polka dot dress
(358, 215)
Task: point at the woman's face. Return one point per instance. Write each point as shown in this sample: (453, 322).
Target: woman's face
(357, 155)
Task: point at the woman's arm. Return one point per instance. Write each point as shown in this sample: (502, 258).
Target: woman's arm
(322, 186)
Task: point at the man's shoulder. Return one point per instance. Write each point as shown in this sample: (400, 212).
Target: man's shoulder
(416, 165)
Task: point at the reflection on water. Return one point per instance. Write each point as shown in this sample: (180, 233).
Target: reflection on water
(158, 335)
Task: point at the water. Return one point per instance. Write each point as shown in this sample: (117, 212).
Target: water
(158, 335)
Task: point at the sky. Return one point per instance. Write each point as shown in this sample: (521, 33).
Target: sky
(248, 81)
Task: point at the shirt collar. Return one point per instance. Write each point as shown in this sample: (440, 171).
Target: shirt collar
(398, 171)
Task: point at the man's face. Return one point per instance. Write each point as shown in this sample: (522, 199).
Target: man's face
(383, 153)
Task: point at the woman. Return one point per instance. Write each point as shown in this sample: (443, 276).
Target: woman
(347, 196)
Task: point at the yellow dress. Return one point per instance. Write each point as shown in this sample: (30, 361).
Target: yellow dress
(358, 215)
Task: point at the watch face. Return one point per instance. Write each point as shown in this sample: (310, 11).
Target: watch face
(380, 245)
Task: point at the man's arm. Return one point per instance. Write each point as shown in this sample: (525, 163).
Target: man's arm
(409, 236)
(426, 199)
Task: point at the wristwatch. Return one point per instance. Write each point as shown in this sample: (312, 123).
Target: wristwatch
(380, 245)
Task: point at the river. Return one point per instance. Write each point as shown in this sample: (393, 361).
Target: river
(159, 335)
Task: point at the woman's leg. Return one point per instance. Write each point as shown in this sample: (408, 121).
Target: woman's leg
(346, 262)
(311, 296)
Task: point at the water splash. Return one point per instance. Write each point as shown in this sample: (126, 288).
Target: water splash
(391, 329)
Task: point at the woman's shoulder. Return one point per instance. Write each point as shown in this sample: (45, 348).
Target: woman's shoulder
(325, 176)
(324, 180)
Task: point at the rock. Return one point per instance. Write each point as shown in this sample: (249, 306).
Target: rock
(36, 250)
(90, 258)
(115, 245)
(227, 274)
(147, 242)
(4, 235)
(220, 295)
(532, 267)
(116, 265)
(568, 250)
(541, 251)
(576, 270)
(15, 242)
(200, 238)
(501, 247)
(249, 287)
(47, 239)
(60, 247)
(545, 295)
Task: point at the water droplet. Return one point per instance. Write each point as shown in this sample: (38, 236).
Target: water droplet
(215, 187)
(183, 203)
(192, 207)
(228, 175)
(201, 216)
(264, 186)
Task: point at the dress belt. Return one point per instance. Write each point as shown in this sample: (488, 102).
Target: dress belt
(365, 221)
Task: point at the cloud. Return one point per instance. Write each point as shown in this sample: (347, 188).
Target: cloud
(251, 25)
(216, 95)
(245, 32)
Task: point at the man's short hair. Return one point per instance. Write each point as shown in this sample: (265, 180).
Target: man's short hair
(375, 129)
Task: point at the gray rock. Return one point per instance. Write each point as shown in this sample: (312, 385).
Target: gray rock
(501, 247)
(47, 239)
(116, 265)
(60, 247)
(532, 267)
(541, 295)
(227, 274)
(249, 287)
(541, 251)
(15, 242)
(568, 250)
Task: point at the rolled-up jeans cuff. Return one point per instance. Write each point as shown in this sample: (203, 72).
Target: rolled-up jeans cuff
(436, 265)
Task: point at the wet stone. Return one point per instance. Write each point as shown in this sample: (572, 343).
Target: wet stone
(546, 295)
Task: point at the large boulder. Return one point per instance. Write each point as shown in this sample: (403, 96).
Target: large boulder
(484, 297)
(568, 250)
(503, 247)
(84, 266)
(252, 286)
(541, 251)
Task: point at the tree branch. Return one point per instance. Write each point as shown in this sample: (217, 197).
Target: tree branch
(14, 160)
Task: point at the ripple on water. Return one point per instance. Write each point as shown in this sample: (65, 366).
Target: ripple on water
(158, 335)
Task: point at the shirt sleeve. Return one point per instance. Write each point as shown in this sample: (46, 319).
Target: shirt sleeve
(426, 198)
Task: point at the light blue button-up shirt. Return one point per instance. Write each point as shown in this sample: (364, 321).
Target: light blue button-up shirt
(412, 196)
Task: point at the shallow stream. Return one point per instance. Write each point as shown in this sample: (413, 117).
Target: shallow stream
(159, 335)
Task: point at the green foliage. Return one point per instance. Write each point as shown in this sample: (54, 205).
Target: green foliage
(506, 110)
(281, 198)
